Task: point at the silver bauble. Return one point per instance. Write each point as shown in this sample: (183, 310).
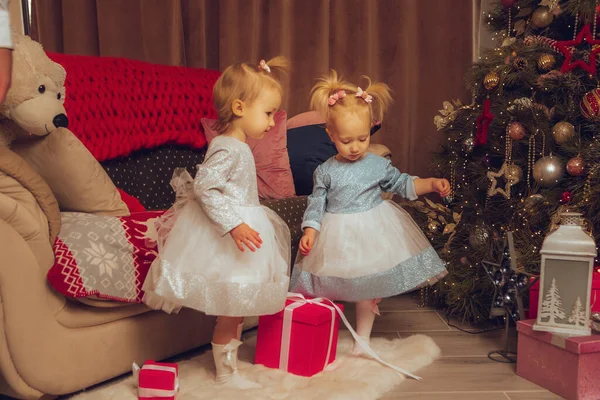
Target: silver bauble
(479, 236)
(548, 171)
(468, 145)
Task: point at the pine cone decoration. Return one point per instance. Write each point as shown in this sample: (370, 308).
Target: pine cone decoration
(520, 63)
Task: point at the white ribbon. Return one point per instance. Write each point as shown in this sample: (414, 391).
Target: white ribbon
(145, 392)
(299, 301)
(149, 392)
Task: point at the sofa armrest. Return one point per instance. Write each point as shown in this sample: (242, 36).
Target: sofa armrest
(27, 313)
(291, 210)
(21, 182)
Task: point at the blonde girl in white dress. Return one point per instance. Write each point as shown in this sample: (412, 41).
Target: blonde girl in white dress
(220, 251)
(356, 246)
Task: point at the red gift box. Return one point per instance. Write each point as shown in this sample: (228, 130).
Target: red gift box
(534, 295)
(307, 329)
(158, 381)
(567, 366)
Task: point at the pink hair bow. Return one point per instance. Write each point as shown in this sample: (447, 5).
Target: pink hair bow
(263, 65)
(361, 93)
(336, 96)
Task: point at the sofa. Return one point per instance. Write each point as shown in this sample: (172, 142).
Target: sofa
(139, 121)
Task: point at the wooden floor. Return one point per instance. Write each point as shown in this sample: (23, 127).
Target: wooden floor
(464, 371)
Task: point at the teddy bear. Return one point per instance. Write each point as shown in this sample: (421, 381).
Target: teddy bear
(34, 105)
(34, 133)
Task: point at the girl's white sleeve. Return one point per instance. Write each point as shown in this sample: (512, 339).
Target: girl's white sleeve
(209, 186)
(5, 35)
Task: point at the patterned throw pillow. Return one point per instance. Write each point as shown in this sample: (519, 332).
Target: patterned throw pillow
(103, 256)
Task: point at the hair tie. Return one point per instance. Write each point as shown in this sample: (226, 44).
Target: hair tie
(364, 95)
(336, 96)
(263, 65)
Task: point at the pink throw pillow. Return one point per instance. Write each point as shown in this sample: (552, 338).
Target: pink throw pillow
(273, 171)
(306, 118)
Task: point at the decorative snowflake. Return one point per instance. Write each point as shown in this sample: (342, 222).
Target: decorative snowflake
(97, 255)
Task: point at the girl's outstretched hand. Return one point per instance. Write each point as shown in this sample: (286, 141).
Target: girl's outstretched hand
(307, 241)
(244, 235)
(442, 186)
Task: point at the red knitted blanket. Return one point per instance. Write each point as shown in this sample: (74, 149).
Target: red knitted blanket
(117, 106)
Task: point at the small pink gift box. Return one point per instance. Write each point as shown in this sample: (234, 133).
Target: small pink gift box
(157, 381)
(566, 366)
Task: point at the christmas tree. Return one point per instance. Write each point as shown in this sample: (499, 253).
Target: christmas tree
(578, 314)
(552, 307)
(524, 149)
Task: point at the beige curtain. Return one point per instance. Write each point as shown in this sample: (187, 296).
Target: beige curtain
(421, 48)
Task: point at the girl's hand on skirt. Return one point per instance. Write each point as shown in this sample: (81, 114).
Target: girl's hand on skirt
(442, 186)
(307, 241)
(244, 235)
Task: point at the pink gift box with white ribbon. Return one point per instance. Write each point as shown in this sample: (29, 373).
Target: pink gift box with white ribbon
(300, 339)
(157, 381)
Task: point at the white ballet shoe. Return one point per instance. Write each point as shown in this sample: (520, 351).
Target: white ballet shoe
(226, 364)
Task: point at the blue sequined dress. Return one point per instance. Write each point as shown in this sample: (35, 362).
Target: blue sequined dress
(198, 264)
(366, 247)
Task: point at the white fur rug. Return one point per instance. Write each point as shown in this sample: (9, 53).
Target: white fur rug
(353, 378)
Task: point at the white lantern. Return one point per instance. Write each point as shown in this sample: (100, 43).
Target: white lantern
(566, 278)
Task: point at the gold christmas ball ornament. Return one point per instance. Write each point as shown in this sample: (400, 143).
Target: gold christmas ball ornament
(576, 166)
(563, 132)
(514, 173)
(542, 17)
(491, 80)
(516, 131)
(548, 171)
(546, 62)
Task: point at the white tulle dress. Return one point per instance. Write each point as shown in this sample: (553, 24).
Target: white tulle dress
(199, 265)
(366, 248)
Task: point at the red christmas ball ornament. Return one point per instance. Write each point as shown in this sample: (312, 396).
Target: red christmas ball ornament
(576, 166)
(516, 131)
(566, 197)
(508, 3)
(590, 105)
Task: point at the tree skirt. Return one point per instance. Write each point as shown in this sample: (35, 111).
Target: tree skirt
(351, 378)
